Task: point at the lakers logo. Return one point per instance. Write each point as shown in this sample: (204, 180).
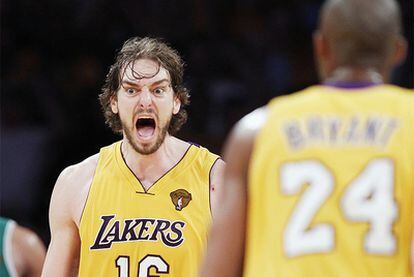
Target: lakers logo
(180, 198)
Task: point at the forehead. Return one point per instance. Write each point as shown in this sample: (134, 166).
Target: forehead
(144, 71)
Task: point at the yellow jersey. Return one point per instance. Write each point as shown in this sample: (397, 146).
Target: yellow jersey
(127, 231)
(331, 184)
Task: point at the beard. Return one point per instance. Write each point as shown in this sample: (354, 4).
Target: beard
(147, 149)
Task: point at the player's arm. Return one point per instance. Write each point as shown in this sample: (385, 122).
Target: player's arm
(63, 252)
(66, 207)
(216, 185)
(225, 248)
(28, 252)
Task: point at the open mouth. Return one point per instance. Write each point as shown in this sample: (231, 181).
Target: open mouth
(145, 127)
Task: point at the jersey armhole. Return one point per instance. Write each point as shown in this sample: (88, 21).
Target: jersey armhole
(209, 183)
(89, 190)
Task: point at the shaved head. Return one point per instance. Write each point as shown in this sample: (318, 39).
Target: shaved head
(361, 33)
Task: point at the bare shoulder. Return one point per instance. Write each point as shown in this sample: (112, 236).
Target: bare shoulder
(218, 167)
(72, 187)
(217, 173)
(244, 133)
(253, 121)
(80, 171)
(75, 178)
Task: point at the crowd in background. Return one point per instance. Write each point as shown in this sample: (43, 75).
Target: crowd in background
(55, 54)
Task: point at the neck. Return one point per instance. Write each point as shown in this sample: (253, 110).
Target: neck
(149, 168)
(142, 161)
(355, 75)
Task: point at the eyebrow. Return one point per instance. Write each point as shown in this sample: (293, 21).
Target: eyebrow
(124, 82)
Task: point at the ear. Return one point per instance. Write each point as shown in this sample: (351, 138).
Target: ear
(400, 53)
(114, 104)
(176, 105)
(323, 55)
(320, 46)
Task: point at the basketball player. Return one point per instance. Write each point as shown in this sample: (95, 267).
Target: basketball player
(21, 251)
(321, 182)
(141, 207)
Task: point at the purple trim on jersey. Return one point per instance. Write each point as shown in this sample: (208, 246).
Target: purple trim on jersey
(195, 144)
(350, 84)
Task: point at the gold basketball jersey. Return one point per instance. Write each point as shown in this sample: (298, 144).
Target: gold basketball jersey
(331, 184)
(126, 231)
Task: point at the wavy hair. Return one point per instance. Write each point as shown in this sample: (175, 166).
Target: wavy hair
(134, 49)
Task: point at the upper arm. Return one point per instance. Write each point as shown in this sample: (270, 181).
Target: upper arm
(28, 251)
(226, 242)
(63, 251)
(237, 154)
(66, 206)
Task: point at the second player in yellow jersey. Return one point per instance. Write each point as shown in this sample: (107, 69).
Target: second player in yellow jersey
(329, 170)
(321, 182)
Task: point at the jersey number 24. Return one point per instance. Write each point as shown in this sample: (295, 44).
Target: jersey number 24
(368, 198)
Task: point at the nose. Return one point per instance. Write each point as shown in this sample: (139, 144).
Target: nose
(145, 98)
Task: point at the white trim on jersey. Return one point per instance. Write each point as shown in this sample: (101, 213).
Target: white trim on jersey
(8, 249)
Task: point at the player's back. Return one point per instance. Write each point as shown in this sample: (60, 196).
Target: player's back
(331, 183)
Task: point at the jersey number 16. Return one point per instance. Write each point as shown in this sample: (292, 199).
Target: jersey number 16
(155, 261)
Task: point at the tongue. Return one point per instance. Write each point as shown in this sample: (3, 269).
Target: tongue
(146, 131)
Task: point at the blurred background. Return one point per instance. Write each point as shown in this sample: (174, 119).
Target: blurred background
(55, 55)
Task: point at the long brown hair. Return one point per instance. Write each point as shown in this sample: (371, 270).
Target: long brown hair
(145, 48)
